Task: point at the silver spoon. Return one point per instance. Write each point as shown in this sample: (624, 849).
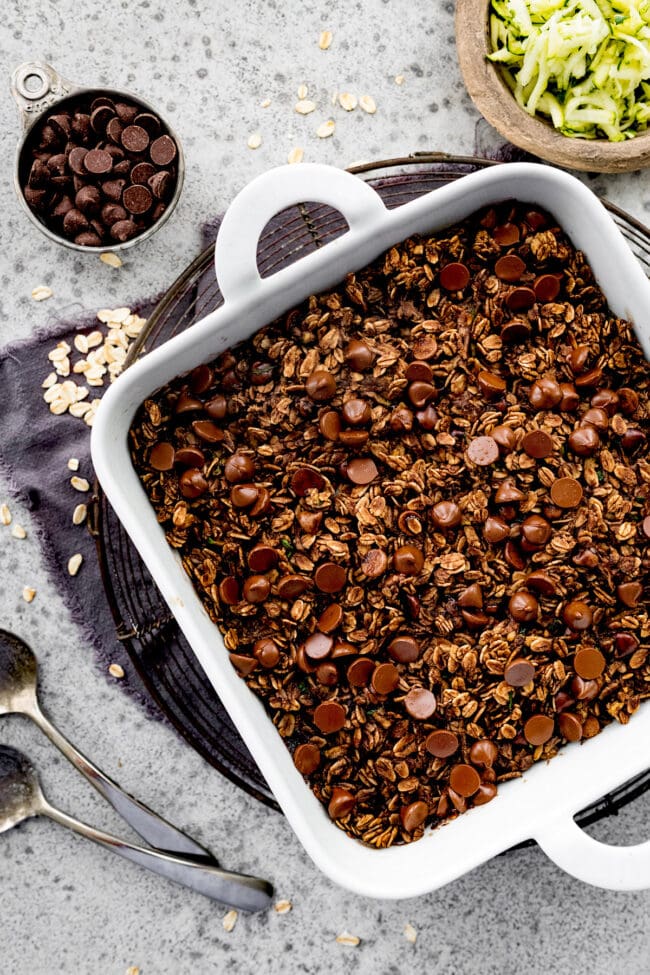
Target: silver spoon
(18, 695)
(21, 798)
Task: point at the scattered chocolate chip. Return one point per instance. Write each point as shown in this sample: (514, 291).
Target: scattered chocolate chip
(483, 451)
(519, 672)
(442, 743)
(454, 277)
(539, 729)
(329, 717)
(307, 758)
(566, 492)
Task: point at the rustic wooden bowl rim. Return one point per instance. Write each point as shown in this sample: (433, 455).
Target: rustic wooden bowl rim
(494, 100)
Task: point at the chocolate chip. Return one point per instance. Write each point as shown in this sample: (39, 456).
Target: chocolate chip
(570, 726)
(545, 393)
(142, 172)
(519, 672)
(356, 412)
(509, 267)
(189, 457)
(523, 607)
(404, 649)
(491, 385)
(539, 729)
(374, 563)
(320, 385)
(483, 752)
(123, 230)
(161, 184)
(454, 277)
(483, 451)
(419, 371)
(318, 646)
(266, 652)
(464, 780)
(100, 116)
(330, 619)
(163, 151)
(360, 671)
(408, 560)
(629, 593)
(262, 557)
(98, 162)
(546, 287)
(495, 529)
(566, 492)
(341, 803)
(584, 441)
(504, 437)
(362, 470)
(74, 222)
(359, 355)
(239, 467)
(88, 199)
(150, 123)
(330, 577)
(442, 743)
(329, 424)
(192, 483)
(420, 703)
(446, 515)
(589, 663)
(506, 234)
(307, 758)
(256, 589)
(135, 139)
(537, 444)
(329, 717)
(385, 679)
(137, 199)
(413, 815)
(519, 299)
(577, 615)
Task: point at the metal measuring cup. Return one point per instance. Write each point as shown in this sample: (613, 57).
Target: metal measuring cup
(37, 87)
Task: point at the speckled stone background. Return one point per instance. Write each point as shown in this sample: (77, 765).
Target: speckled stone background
(65, 905)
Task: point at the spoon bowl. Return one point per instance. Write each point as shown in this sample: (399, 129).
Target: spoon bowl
(20, 792)
(18, 675)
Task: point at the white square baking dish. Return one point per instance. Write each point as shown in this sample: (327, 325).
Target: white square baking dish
(540, 804)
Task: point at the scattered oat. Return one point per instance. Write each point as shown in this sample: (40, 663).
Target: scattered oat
(303, 91)
(345, 938)
(132, 970)
(348, 101)
(41, 292)
(410, 933)
(230, 920)
(326, 129)
(282, 907)
(58, 406)
(78, 409)
(296, 155)
(94, 339)
(305, 106)
(265, 103)
(399, 79)
(116, 670)
(80, 483)
(325, 40)
(18, 531)
(49, 380)
(113, 260)
(367, 103)
(119, 315)
(73, 464)
(28, 594)
(254, 140)
(334, 97)
(79, 514)
(74, 563)
(81, 343)
(5, 514)
(59, 353)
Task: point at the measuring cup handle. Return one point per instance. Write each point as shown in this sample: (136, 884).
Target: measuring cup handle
(269, 194)
(47, 88)
(593, 862)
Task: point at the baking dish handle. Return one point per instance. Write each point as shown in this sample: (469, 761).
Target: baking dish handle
(270, 193)
(593, 862)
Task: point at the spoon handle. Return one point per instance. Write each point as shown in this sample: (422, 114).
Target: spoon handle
(235, 889)
(152, 827)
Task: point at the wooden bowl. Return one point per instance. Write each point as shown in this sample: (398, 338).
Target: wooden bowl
(488, 90)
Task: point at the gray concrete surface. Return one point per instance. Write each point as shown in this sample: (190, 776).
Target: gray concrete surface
(66, 906)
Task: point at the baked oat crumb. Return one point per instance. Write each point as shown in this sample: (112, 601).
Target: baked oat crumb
(325, 40)
(79, 483)
(348, 101)
(79, 514)
(73, 464)
(28, 594)
(18, 532)
(305, 106)
(296, 155)
(254, 140)
(367, 103)
(5, 514)
(116, 670)
(345, 938)
(113, 260)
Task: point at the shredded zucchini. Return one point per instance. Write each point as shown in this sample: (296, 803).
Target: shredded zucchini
(582, 64)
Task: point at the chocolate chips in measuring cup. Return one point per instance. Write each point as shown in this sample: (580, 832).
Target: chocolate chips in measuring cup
(99, 171)
(421, 518)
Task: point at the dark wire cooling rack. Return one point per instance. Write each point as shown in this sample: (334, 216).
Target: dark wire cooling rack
(161, 655)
